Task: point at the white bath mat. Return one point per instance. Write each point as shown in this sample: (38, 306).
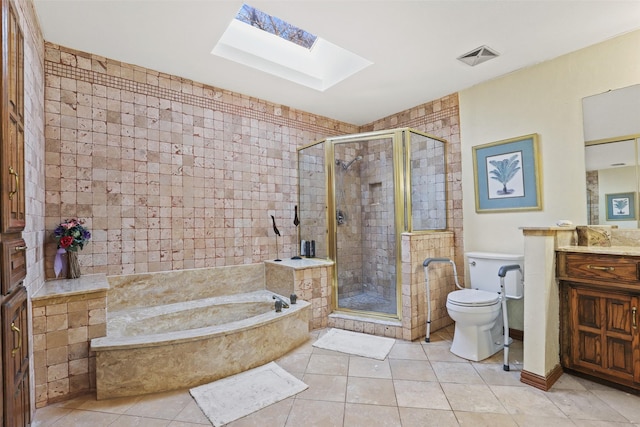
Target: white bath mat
(239, 395)
(356, 343)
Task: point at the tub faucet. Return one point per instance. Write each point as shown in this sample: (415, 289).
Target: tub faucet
(284, 303)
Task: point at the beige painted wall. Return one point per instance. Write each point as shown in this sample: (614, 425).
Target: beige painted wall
(545, 99)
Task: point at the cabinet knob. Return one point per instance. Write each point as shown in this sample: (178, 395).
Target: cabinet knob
(20, 248)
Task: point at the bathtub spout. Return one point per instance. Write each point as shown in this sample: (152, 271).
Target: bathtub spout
(284, 303)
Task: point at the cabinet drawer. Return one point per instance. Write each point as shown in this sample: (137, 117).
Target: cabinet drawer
(598, 267)
(14, 264)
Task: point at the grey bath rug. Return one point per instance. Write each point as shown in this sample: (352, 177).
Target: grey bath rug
(356, 343)
(239, 395)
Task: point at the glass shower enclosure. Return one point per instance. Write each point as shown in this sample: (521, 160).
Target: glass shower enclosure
(357, 195)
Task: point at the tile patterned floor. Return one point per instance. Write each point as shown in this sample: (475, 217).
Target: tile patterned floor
(418, 384)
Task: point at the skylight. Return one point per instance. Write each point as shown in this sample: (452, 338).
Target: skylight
(276, 26)
(319, 66)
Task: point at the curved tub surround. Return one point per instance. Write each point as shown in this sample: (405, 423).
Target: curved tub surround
(184, 343)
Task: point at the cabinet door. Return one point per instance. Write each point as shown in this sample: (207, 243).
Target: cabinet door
(12, 164)
(15, 359)
(586, 324)
(619, 335)
(605, 333)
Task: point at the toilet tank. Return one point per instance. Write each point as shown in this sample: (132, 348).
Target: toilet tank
(483, 272)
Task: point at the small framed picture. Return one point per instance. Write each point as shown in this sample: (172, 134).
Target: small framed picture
(506, 175)
(621, 206)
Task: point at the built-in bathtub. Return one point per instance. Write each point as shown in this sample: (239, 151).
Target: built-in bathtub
(180, 329)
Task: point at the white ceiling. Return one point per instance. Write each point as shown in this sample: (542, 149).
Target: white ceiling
(413, 44)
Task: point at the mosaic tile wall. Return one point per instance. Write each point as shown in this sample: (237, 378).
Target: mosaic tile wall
(168, 173)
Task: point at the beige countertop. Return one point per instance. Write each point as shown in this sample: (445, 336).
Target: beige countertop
(67, 287)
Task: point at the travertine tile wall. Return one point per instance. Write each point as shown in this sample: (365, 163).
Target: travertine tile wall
(168, 173)
(62, 331)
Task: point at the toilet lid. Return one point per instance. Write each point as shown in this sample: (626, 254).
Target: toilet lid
(473, 297)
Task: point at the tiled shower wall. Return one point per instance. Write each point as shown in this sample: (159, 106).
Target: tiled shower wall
(168, 173)
(438, 118)
(378, 228)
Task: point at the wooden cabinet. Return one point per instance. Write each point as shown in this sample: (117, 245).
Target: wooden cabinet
(15, 408)
(600, 298)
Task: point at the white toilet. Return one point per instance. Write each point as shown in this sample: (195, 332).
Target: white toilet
(477, 311)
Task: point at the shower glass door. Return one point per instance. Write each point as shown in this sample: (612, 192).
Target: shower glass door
(365, 225)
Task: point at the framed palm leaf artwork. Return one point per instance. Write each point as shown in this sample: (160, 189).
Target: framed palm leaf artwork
(621, 206)
(506, 175)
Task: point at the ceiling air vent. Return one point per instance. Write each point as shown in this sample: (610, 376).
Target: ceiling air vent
(478, 55)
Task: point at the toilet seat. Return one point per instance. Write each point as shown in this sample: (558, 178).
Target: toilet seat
(473, 298)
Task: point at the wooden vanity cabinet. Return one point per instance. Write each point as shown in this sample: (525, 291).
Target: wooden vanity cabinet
(14, 340)
(599, 302)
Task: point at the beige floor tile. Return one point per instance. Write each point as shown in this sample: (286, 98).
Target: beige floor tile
(472, 398)
(416, 370)
(273, 415)
(420, 394)
(371, 416)
(76, 402)
(472, 419)
(407, 350)
(371, 391)
(77, 418)
(314, 413)
(183, 424)
(294, 362)
(369, 368)
(540, 421)
(135, 421)
(568, 382)
(161, 405)
(526, 400)
(628, 405)
(495, 375)
(440, 337)
(454, 372)
(48, 415)
(114, 406)
(328, 364)
(324, 387)
(418, 417)
(584, 405)
(441, 353)
(597, 423)
(192, 414)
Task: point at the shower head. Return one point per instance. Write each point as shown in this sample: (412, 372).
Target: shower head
(345, 166)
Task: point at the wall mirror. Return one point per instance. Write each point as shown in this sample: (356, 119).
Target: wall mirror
(612, 139)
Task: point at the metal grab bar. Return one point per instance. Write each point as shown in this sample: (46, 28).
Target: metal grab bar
(425, 264)
(502, 272)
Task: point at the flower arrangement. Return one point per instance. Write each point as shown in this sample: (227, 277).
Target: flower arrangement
(71, 235)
